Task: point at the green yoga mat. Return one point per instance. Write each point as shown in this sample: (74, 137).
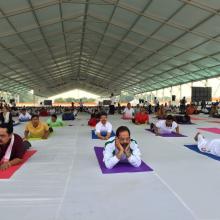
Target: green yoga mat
(38, 139)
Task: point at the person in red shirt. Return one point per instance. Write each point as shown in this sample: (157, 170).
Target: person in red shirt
(191, 109)
(94, 118)
(141, 117)
(17, 147)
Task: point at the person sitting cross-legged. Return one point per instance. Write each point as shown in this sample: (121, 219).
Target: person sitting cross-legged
(128, 112)
(141, 117)
(103, 128)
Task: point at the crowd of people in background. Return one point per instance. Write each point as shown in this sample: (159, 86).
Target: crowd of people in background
(168, 118)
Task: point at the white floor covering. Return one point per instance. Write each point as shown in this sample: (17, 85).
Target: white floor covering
(63, 181)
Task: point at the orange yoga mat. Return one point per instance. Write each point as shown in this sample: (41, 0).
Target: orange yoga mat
(7, 174)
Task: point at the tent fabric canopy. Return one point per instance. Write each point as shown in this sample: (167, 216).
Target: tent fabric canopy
(52, 46)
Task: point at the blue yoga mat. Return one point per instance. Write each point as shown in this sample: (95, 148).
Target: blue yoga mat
(24, 120)
(16, 123)
(94, 136)
(196, 149)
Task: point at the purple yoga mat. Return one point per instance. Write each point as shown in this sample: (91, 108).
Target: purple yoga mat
(120, 167)
(168, 135)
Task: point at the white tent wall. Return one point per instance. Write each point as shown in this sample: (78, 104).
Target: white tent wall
(184, 90)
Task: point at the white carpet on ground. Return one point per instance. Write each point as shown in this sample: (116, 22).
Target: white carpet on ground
(63, 181)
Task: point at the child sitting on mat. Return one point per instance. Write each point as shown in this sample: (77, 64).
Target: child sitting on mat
(12, 147)
(121, 149)
(208, 146)
(36, 129)
(103, 129)
(165, 126)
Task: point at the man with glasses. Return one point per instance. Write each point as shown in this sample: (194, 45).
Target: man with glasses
(121, 149)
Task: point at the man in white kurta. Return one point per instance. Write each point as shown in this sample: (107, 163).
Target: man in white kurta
(208, 146)
(165, 126)
(24, 116)
(103, 129)
(128, 112)
(121, 149)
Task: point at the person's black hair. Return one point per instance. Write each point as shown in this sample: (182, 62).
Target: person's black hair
(8, 127)
(169, 117)
(34, 116)
(54, 115)
(102, 114)
(23, 109)
(122, 129)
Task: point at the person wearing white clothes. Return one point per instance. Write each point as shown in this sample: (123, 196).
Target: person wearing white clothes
(121, 149)
(24, 116)
(208, 146)
(128, 112)
(52, 111)
(165, 126)
(103, 129)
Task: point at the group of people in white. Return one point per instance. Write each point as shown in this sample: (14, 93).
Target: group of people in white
(122, 148)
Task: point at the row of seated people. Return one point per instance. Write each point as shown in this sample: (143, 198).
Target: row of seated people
(67, 115)
(38, 129)
(190, 110)
(138, 115)
(42, 111)
(103, 128)
(13, 147)
(180, 119)
(121, 148)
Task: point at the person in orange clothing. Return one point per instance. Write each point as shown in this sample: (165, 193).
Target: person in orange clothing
(191, 109)
(141, 117)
